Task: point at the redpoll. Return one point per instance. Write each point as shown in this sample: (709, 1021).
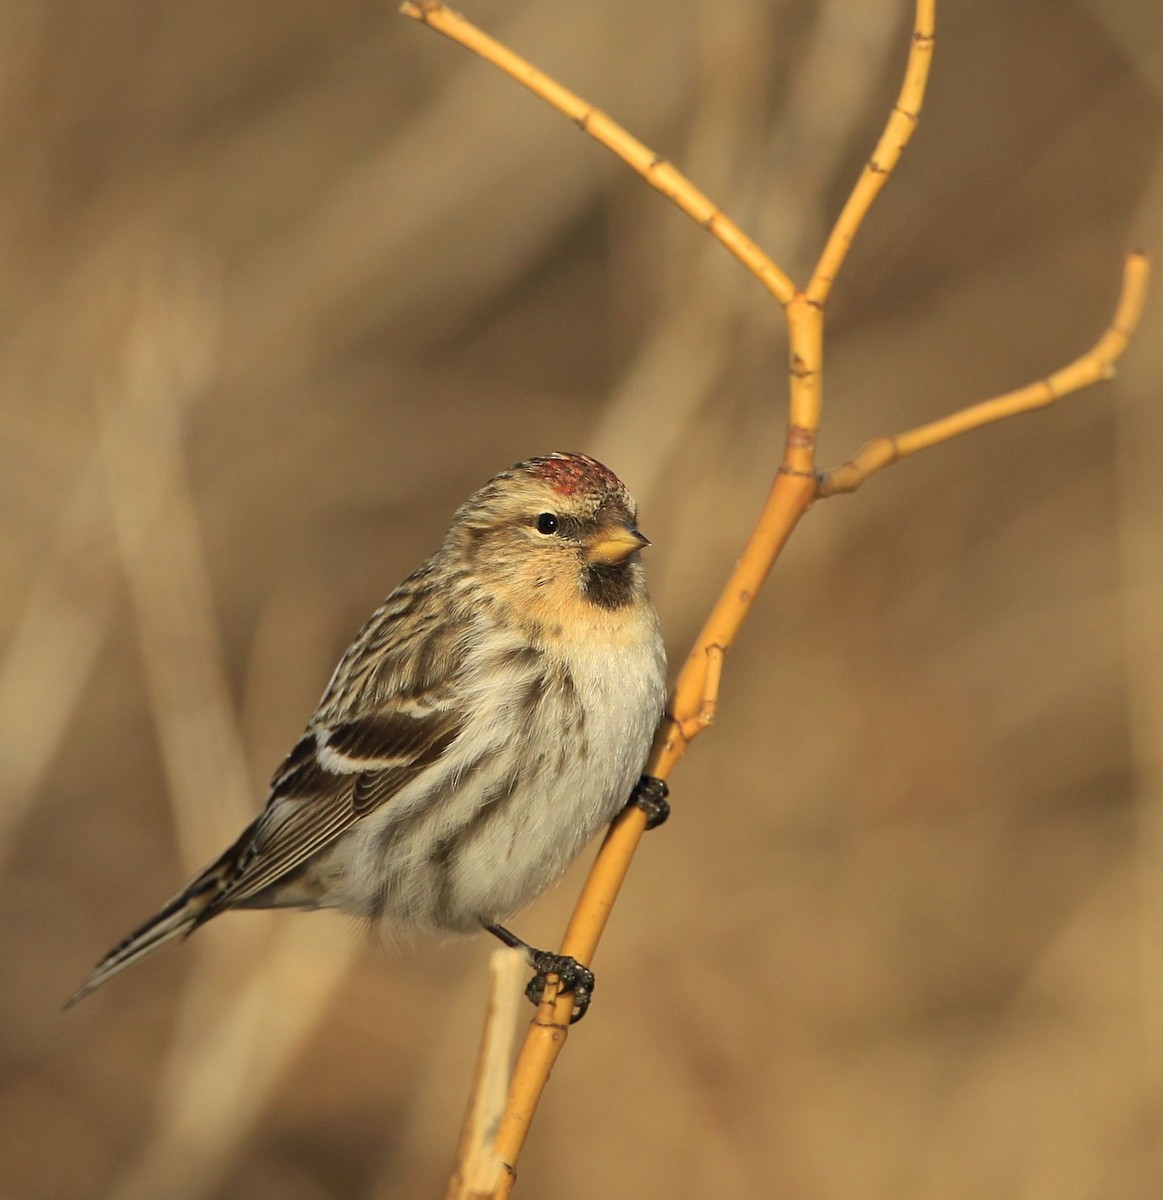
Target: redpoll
(488, 720)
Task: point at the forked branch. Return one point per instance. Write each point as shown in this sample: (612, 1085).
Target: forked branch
(796, 485)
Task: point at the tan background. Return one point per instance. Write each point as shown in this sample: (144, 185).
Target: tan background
(282, 283)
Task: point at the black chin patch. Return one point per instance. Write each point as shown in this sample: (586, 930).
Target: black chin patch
(609, 585)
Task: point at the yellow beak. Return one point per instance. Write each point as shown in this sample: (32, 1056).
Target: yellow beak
(613, 544)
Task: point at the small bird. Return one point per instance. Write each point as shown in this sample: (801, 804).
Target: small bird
(492, 715)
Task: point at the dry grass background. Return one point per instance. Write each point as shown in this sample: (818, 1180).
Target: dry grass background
(282, 283)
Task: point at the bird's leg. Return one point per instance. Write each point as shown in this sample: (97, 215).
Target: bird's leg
(572, 976)
(650, 795)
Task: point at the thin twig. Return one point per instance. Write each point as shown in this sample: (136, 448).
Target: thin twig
(902, 121)
(477, 1170)
(657, 172)
(1098, 363)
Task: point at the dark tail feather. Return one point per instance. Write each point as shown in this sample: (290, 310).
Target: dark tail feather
(182, 915)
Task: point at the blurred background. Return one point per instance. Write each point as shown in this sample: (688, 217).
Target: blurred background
(282, 283)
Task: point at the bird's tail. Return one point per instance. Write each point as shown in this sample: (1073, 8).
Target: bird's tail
(182, 915)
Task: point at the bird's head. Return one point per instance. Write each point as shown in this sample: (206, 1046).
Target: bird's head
(560, 526)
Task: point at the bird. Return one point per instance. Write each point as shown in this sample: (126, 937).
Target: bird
(492, 715)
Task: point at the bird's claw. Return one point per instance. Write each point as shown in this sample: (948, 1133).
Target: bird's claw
(650, 795)
(571, 977)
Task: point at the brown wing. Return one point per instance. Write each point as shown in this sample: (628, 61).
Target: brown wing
(333, 778)
(389, 713)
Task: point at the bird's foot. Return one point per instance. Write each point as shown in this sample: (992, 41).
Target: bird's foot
(572, 977)
(650, 795)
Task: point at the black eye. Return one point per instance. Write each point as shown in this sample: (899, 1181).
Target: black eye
(547, 523)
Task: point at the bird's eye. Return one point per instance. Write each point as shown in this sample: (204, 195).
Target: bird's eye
(547, 523)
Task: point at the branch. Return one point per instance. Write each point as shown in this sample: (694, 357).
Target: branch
(902, 121)
(657, 172)
(696, 692)
(1096, 364)
(796, 485)
(477, 1172)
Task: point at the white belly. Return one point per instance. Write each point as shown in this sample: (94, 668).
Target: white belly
(493, 838)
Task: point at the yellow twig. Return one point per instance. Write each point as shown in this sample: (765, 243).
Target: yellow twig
(902, 121)
(1096, 364)
(657, 172)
